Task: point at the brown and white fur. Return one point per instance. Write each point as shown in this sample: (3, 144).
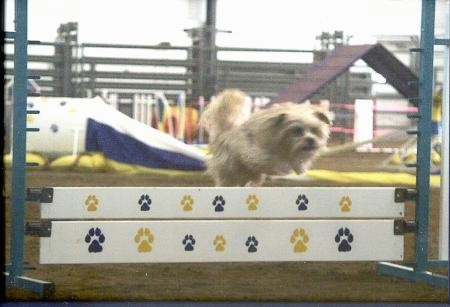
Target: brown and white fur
(229, 109)
(274, 141)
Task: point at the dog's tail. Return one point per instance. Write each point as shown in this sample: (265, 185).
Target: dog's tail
(229, 109)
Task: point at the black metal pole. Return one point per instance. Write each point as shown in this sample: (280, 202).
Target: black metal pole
(210, 53)
(211, 8)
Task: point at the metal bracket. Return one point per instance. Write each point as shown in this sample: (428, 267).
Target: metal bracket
(42, 195)
(442, 41)
(38, 228)
(401, 227)
(412, 132)
(415, 49)
(414, 100)
(413, 115)
(404, 194)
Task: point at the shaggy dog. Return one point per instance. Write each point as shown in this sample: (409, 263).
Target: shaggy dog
(275, 141)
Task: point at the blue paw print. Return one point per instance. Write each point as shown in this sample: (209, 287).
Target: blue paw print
(302, 202)
(219, 203)
(95, 238)
(344, 237)
(188, 243)
(54, 128)
(145, 202)
(252, 243)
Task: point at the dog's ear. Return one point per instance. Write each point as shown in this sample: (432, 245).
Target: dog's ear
(280, 119)
(322, 116)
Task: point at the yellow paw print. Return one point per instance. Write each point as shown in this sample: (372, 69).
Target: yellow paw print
(219, 243)
(92, 203)
(187, 202)
(30, 119)
(252, 202)
(299, 238)
(144, 238)
(345, 204)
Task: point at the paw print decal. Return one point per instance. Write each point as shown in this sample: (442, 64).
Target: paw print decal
(30, 118)
(252, 243)
(144, 238)
(188, 242)
(54, 128)
(252, 202)
(344, 237)
(219, 243)
(95, 238)
(187, 202)
(219, 203)
(345, 204)
(299, 238)
(91, 203)
(145, 202)
(302, 202)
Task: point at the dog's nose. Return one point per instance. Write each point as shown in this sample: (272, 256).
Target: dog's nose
(310, 142)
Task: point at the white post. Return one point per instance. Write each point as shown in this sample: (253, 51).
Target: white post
(113, 100)
(363, 125)
(145, 109)
(75, 142)
(443, 214)
(141, 108)
(76, 138)
(135, 106)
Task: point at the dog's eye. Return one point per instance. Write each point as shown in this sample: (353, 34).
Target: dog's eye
(316, 131)
(298, 131)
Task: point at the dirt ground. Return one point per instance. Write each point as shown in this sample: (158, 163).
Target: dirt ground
(274, 281)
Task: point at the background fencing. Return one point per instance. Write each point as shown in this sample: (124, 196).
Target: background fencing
(71, 70)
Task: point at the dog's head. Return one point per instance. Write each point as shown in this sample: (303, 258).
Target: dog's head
(299, 133)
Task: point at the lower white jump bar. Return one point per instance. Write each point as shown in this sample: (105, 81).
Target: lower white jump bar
(220, 241)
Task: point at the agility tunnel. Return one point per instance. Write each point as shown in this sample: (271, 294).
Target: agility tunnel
(69, 127)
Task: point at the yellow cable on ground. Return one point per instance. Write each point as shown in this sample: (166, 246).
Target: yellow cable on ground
(380, 178)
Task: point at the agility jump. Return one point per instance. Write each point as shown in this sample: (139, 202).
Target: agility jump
(352, 237)
(128, 225)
